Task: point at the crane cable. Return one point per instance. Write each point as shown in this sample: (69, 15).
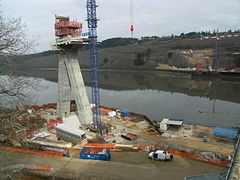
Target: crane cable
(132, 30)
(131, 18)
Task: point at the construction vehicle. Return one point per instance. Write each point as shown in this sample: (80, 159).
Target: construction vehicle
(160, 155)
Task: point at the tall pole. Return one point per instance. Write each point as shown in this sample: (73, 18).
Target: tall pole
(216, 54)
(216, 60)
(92, 26)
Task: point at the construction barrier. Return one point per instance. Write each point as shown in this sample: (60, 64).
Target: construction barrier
(40, 167)
(27, 151)
(52, 125)
(113, 150)
(116, 150)
(112, 147)
(142, 147)
(32, 132)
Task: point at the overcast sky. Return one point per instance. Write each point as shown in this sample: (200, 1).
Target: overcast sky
(151, 17)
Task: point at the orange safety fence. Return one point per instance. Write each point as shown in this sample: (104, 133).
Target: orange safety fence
(15, 167)
(195, 157)
(116, 150)
(111, 146)
(40, 167)
(27, 151)
(142, 147)
(123, 119)
(74, 148)
(45, 106)
(31, 132)
(113, 150)
(106, 110)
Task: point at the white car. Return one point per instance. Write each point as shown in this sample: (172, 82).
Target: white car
(160, 155)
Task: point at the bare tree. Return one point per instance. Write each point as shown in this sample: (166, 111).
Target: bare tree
(13, 43)
(16, 90)
(13, 38)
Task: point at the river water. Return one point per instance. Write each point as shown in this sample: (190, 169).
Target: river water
(196, 100)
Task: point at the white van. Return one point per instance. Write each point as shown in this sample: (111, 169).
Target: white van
(160, 155)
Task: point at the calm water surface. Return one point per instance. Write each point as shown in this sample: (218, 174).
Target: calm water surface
(204, 101)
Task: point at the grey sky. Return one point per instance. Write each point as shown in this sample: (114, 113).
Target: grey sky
(151, 17)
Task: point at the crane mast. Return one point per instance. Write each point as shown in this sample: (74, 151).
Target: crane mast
(92, 26)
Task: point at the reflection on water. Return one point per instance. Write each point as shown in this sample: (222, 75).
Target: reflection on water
(209, 101)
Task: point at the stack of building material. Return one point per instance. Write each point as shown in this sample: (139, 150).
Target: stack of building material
(129, 136)
(70, 134)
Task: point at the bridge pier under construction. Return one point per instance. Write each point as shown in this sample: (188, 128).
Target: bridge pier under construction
(70, 80)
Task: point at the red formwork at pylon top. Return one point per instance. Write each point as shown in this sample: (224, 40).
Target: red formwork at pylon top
(65, 27)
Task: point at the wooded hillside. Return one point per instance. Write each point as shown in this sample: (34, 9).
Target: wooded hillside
(181, 51)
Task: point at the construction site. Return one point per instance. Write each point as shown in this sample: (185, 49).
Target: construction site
(78, 138)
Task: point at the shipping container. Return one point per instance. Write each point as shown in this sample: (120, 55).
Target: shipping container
(224, 132)
(95, 154)
(70, 134)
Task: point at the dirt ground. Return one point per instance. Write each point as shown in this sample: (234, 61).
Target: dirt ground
(123, 166)
(185, 144)
(191, 144)
(137, 165)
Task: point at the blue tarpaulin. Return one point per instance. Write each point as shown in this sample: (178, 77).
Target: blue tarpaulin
(124, 113)
(224, 132)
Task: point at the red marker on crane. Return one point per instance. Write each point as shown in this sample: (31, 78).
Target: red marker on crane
(131, 18)
(132, 30)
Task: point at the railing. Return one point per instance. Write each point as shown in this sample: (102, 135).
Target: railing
(232, 173)
(69, 24)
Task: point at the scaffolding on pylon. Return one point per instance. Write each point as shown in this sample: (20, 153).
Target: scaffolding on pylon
(65, 27)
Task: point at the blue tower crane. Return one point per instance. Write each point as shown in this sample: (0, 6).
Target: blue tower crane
(92, 26)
